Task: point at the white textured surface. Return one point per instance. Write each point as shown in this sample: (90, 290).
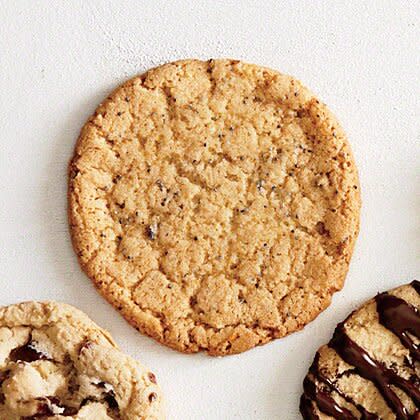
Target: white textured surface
(59, 59)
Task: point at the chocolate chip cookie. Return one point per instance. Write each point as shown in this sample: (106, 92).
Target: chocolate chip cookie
(215, 204)
(57, 363)
(370, 368)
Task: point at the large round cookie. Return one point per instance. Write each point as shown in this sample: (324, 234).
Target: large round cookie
(215, 204)
(57, 363)
(370, 369)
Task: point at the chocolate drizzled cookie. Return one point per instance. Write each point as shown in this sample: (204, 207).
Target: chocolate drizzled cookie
(370, 368)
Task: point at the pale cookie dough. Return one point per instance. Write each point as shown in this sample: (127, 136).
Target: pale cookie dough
(215, 204)
(370, 370)
(56, 363)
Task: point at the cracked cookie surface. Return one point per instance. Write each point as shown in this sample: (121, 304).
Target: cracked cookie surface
(56, 363)
(215, 204)
(370, 370)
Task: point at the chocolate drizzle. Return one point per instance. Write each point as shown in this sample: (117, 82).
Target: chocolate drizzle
(366, 415)
(416, 285)
(374, 371)
(325, 402)
(307, 409)
(399, 317)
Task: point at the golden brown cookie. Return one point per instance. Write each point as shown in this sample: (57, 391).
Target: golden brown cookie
(370, 370)
(56, 363)
(215, 204)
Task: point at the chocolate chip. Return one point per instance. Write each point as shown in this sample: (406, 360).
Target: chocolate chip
(50, 406)
(109, 398)
(69, 411)
(86, 345)
(152, 397)
(152, 377)
(27, 353)
(43, 409)
(65, 410)
(86, 400)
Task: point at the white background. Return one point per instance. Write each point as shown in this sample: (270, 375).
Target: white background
(59, 59)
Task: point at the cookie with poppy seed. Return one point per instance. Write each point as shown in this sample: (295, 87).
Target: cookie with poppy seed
(215, 204)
